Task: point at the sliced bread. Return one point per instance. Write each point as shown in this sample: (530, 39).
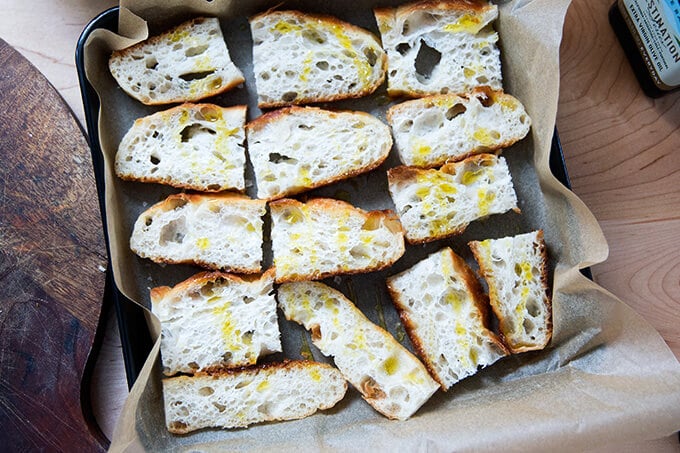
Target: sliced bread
(440, 47)
(296, 148)
(386, 374)
(221, 231)
(238, 398)
(192, 146)
(326, 237)
(186, 63)
(433, 204)
(429, 132)
(444, 311)
(302, 58)
(214, 319)
(515, 270)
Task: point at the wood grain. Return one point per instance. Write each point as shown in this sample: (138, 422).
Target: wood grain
(51, 258)
(623, 154)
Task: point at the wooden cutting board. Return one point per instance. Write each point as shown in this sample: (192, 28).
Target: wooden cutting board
(52, 258)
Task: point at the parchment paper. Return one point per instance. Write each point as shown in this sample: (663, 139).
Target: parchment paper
(607, 376)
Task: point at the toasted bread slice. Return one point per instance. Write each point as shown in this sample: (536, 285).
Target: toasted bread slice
(214, 319)
(515, 270)
(386, 374)
(434, 130)
(326, 237)
(192, 146)
(295, 148)
(440, 47)
(186, 63)
(444, 311)
(434, 204)
(221, 231)
(302, 58)
(239, 398)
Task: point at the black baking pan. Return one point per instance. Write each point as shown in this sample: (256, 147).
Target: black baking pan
(135, 338)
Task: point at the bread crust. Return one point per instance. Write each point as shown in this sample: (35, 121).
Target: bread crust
(228, 85)
(485, 270)
(348, 28)
(390, 219)
(161, 294)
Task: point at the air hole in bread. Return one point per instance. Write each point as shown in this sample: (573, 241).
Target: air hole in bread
(193, 365)
(189, 76)
(148, 221)
(196, 50)
(173, 231)
(206, 391)
(244, 382)
(313, 36)
(371, 56)
(323, 65)
(154, 160)
(426, 61)
(193, 130)
(289, 96)
(372, 223)
(370, 389)
(482, 80)
(528, 325)
(137, 56)
(277, 158)
(533, 308)
(213, 187)
(351, 86)
(218, 406)
(454, 111)
(360, 251)
(307, 127)
(403, 48)
(151, 63)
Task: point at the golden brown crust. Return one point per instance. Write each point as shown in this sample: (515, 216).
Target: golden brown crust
(218, 371)
(163, 294)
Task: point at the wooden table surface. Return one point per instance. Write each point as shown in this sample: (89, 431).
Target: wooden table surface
(622, 151)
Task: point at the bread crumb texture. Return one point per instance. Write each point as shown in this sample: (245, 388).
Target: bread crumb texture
(386, 374)
(515, 269)
(440, 47)
(192, 146)
(433, 204)
(431, 131)
(216, 320)
(296, 149)
(239, 398)
(221, 231)
(443, 309)
(186, 63)
(326, 237)
(301, 58)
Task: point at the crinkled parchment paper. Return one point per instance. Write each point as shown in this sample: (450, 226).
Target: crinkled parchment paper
(607, 377)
